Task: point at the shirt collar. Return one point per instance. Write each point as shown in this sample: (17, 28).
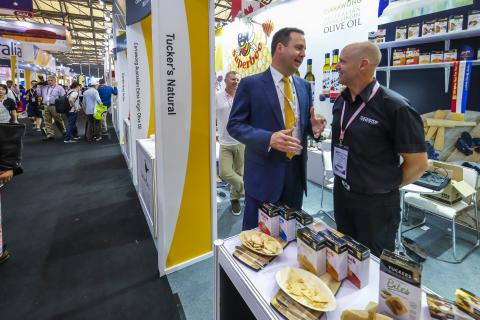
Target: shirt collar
(364, 95)
(277, 75)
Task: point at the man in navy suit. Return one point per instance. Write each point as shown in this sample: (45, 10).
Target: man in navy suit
(272, 114)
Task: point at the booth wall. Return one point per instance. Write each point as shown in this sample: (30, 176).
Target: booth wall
(140, 84)
(123, 95)
(182, 90)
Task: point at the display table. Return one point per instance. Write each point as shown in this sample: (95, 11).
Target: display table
(257, 289)
(146, 172)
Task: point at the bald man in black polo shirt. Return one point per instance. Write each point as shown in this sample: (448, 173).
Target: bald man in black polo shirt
(378, 146)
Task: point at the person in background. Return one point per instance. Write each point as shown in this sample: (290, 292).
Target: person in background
(272, 114)
(105, 91)
(231, 151)
(49, 94)
(33, 106)
(73, 98)
(373, 128)
(8, 107)
(13, 92)
(90, 100)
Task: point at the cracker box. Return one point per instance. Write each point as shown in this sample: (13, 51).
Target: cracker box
(337, 254)
(400, 292)
(450, 55)
(381, 34)
(428, 28)
(440, 308)
(399, 57)
(358, 263)
(287, 224)
(436, 56)
(311, 251)
(412, 56)
(268, 219)
(441, 26)
(414, 30)
(303, 219)
(455, 23)
(473, 19)
(401, 33)
(424, 58)
(468, 302)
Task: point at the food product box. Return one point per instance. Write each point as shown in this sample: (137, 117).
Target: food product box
(473, 19)
(450, 55)
(358, 263)
(381, 34)
(441, 26)
(311, 251)
(399, 57)
(424, 58)
(372, 36)
(455, 23)
(440, 308)
(468, 302)
(414, 30)
(303, 219)
(287, 224)
(268, 219)
(400, 292)
(337, 255)
(428, 28)
(412, 56)
(436, 56)
(401, 33)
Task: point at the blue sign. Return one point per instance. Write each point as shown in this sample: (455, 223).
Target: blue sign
(137, 10)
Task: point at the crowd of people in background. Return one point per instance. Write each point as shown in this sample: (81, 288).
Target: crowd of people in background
(38, 105)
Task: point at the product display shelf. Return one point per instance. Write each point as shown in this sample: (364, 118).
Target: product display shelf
(258, 288)
(424, 66)
(422, 40)
(429, 39)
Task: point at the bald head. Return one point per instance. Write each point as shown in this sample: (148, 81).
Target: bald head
(366, 51)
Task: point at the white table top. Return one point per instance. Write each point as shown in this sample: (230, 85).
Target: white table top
(348, 297)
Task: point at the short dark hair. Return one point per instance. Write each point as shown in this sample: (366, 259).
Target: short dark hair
(229, 73)
(283, 36)
(74, 85)
(9, 81)
(4, 87)
(101, 81)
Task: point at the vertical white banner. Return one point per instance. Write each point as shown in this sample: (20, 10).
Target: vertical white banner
(123, 96)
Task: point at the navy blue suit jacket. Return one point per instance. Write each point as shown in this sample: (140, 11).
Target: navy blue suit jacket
(256, 114)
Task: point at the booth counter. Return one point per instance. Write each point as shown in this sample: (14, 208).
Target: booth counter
(126, 142)
(147, 187)
(258, 288)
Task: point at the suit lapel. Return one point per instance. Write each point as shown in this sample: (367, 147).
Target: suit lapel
(272, 97)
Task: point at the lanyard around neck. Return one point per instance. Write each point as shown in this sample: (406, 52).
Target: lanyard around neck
(354, 116)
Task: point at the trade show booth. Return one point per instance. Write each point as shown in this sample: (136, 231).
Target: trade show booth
(166, 124)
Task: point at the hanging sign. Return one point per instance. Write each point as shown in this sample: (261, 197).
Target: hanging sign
(462, 71)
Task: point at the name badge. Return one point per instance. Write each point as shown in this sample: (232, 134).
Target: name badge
(340, 161)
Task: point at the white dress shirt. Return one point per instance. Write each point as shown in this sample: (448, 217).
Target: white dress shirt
(279, 85)
(223, 103)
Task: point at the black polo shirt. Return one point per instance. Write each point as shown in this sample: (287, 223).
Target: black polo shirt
(386, 127)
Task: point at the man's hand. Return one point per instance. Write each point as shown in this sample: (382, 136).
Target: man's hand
(318, 123)
(6, 176)
(283, 141)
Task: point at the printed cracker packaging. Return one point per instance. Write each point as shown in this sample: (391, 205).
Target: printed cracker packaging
(400, 292)
(268, 219)
(424, 58)
(412, 56)
(473, 19)
(450, 55)
(441, 26)
(428, 28)
(303, 219)
(287, 223)
(399, 57)
(455, 23)
(414, 30)
(358, 263)
(337, 254)
(468, 302)
(311, 252)
(436, 56)
(401, 33)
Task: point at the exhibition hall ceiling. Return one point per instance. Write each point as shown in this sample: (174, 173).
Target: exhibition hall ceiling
(89, 22)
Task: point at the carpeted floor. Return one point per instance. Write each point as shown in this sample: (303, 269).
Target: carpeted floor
(79, 242)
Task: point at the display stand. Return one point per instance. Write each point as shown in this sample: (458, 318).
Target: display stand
(147, 187)
(258, 288)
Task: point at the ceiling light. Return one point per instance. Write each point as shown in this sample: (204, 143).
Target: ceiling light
(107, 19)
(109, 31)
(101, 2)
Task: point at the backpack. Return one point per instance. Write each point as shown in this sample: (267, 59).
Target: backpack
(62, 105)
